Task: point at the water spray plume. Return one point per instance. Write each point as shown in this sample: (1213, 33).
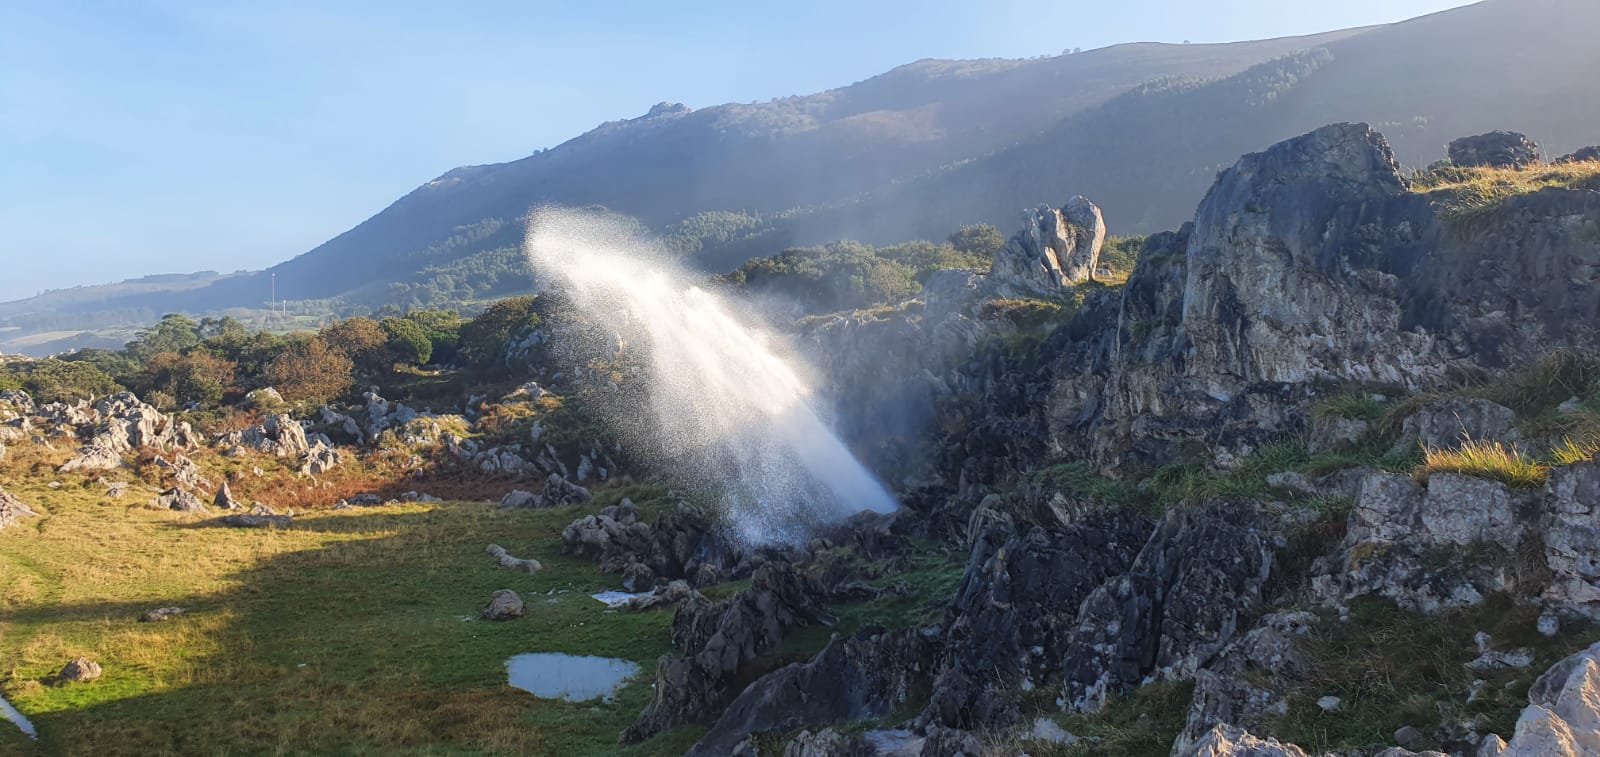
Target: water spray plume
(730, 411)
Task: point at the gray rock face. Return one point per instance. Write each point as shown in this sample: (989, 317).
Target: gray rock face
(1250, 682)
(258, 517)
(505, 605)
(1582, 155)
(1499, 149)
(224, 499)
(1571, 537)
(1447, 424)
(865, 677)
(1175, 610)
(12, 510)
(81, 670)
(1056, 249)
(125, 425)
(717, 638)
(319, 459)
(683, 545)
(1231, 741)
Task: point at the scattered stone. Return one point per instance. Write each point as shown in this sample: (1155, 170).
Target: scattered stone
(512, 563)
(366, 500)
(671, 594)
(558, 492)
(1483, 641)
(81, 670)
(1050, 732)
(12, 510)
(264, 399)
(319, 459)
(160, 614)
(180, 500)
(1583, 155)
(1549, 625)
(1329, 703)
(225, 500)
(260, 516)
(1407, 735)
(1497, 149)
(1232, 741)
(418, 497)
(518, 498)
(1495, 661)
(505, 605)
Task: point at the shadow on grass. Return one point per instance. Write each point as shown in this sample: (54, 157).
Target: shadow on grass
(353, 632)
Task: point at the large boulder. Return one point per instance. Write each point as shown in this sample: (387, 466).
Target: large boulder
(1563, 714)
(180, 500)
(1497, 149)
(80, 670)
(1055, 250)
(1582, 155)
(505, 604)
(277, 435)
(1231, 741)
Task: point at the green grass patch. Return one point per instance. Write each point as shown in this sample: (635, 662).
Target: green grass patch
(350, 632)
(1491, 460)
(1392, 668)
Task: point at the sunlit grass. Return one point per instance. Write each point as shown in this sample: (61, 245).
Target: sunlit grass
(1491, 460)
(1472, 192)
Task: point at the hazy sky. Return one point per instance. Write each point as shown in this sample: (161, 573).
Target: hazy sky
(150, 136)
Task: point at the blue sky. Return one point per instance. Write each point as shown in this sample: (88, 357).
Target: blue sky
(148, 136)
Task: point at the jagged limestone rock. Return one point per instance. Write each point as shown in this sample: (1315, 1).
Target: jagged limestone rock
(1055, 249)
(1497, 149)
(12, 510)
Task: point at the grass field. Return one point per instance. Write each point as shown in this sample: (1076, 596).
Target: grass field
(350, 632)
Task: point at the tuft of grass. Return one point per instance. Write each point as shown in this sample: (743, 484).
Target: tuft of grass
(1572, 452)
(1468, 193)
(1352, 405)
(1491, 460)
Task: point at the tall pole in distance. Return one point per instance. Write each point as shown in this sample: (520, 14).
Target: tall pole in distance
(274, 292)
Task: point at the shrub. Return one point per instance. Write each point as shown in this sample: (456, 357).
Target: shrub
(61, 381)
(198, 377)
(408, 343)
(980, 241)
(361, 339)
(311, 371)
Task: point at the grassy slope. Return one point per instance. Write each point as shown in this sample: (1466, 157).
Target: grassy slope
(351, 632)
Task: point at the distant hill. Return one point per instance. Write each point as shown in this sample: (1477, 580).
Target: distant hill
(913, 153)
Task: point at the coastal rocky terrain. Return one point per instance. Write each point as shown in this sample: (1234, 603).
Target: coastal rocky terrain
(1317, 475)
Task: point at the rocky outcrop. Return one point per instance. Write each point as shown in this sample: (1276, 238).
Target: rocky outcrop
(180, 500)
(224, 499)
(258, 517)
(1183, 601)
(1232, 741)
(1449, 423)
(1056, 249)
(718, 638)
(558, 492)
(857, 678)
(1456, 539)
(12, 510)
(277, 435)
(124, 424)
(680, 545)
(1582, 155)
(1497, 149)
(1250, 682)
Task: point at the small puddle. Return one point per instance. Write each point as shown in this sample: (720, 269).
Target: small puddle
(894, 743)
(10, 713)
(619, 598)
(570, 677)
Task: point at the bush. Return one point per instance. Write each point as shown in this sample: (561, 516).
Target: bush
(484, 339)
(61, 381)
(311, 371)
(198, 377)
(361, 339)
(408, 343)
(980, 241)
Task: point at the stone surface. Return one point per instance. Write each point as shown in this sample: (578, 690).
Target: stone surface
(1498, 149)
(1563, 714)
(1055, 250)
(181, 501)
(80, 670)
(513, 563)
(160, 614)
(12, 510)
(1230, 741)
(1447, 424)
(505, 605)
